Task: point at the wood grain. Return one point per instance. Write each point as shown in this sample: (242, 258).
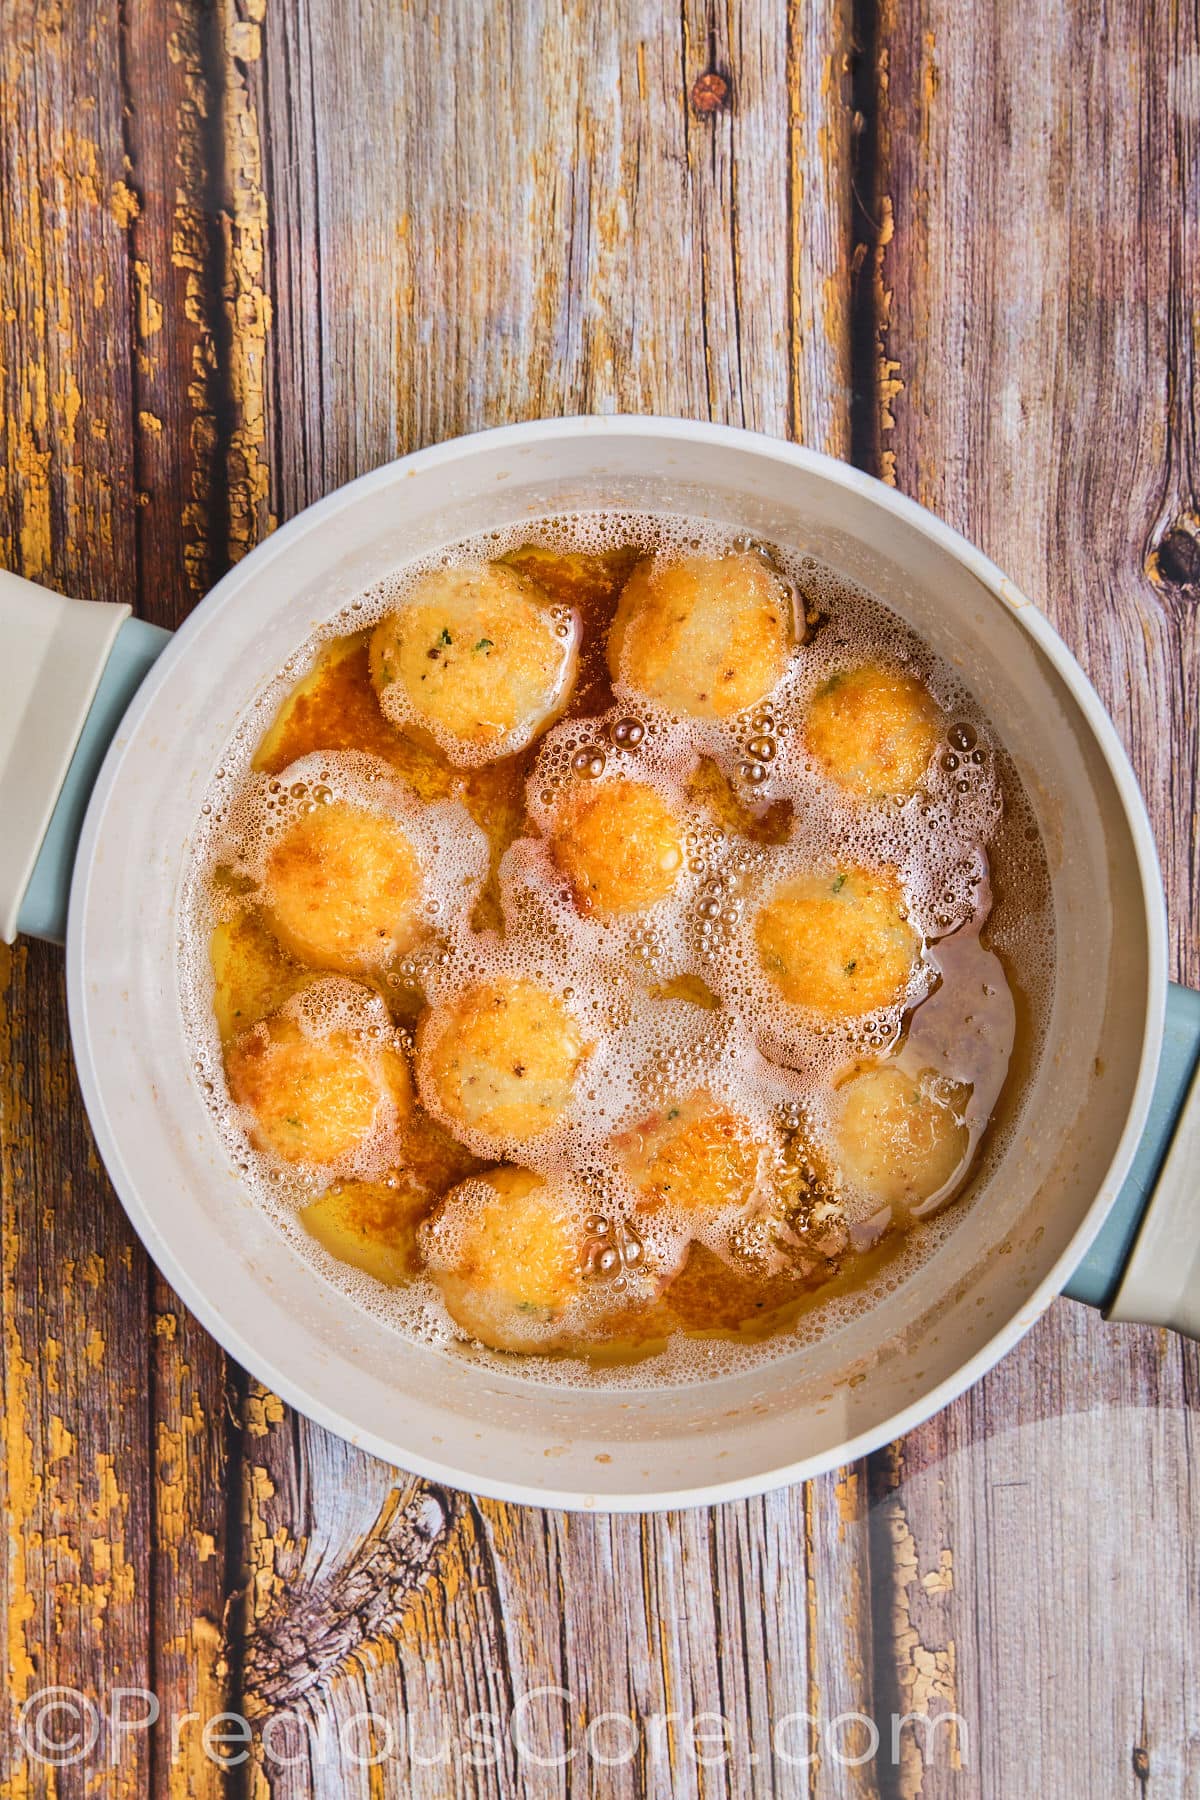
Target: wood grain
(254, 249)
(75, 1488)
(174, 245)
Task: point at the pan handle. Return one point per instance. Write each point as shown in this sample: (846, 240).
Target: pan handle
(68, 670)
(1144, 1267)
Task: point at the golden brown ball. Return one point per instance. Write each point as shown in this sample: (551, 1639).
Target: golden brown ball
(506, 1253)
(619, 844)
(704, 636)
(697, 1154)
(314, 1097)
(900, 1139)
(873, 730)
(475, 657)
(500, 1058)
(344, 888)
(838, 942)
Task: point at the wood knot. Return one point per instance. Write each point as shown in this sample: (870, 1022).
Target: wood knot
(710, 94)
(1141, 1762)
(1175, 561)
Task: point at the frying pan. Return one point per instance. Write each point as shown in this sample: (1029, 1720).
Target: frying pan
(110, 732)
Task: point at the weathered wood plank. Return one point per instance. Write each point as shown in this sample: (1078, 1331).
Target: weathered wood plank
(74, 1581)
(518, 1650)
(842, 1572)
(1044, 1572)
(113, 425)
(74, 1585)
(179, 411)
(180, 421)
(66, 510)
(548, 225)
(1036, 271)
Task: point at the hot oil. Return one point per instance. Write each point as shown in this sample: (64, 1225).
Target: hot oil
(682, 990)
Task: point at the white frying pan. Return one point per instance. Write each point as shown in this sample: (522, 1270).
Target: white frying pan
(1086, 1194)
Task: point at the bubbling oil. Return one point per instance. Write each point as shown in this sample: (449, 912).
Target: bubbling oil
(671, 1003)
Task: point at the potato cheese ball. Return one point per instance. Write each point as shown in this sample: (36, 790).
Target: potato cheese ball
(620, 845)
(873, 730)
(586, 946)
(344, 888)
(478, 659)
(506, 1251)
(695, 1154)
(500, 1059)
(706, 636)
(838, 941)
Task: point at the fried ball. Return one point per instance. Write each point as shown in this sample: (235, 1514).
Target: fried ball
(619, 844)
(313, 1099)
(344, 888)
(838, 943)
(873, 730)
(899, 1138)
(500, 1058)
(507, 1256)
(706, 636)
(474, 656)
(372, 1225)
(695, 1154)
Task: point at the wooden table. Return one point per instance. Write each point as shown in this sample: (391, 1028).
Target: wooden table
(255, 247)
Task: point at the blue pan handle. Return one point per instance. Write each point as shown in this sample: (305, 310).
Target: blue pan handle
(42, 910)
(1145, 1264)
